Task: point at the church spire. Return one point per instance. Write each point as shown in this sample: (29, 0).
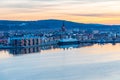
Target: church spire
(63, 27)
(63, 23)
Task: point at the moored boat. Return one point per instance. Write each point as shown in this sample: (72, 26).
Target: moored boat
(68, 41)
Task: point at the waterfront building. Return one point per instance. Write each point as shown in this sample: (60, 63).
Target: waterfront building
(24, 41)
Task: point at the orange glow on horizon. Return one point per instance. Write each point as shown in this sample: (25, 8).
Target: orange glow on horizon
(80, 19)
(102, 12)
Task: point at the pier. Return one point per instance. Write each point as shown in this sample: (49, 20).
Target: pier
(50, 43)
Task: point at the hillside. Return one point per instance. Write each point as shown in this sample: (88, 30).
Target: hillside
(50, 24)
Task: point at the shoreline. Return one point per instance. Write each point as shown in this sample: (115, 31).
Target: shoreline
(57, 43)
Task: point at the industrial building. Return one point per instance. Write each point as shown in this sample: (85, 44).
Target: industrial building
(25, 41)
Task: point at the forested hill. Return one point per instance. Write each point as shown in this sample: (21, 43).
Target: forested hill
(50, 24)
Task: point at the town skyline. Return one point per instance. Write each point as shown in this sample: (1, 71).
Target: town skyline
(82, 11)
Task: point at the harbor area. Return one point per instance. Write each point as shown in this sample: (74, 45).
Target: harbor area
(62, 36)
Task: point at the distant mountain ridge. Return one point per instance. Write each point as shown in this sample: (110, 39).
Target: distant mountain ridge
(50, 24)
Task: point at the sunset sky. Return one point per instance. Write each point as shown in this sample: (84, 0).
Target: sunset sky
(83, 11)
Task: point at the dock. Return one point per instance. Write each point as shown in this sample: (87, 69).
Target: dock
(57, 43)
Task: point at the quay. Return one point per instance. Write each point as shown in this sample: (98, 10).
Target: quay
(13, 46)
(97, 41)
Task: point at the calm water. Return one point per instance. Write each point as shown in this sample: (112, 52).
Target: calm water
(73, 62)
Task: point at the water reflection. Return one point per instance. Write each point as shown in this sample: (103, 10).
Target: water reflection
(5, 54)
(19, 51)
(48, 49)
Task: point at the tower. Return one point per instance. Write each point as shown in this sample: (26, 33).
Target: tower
(63, 27)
